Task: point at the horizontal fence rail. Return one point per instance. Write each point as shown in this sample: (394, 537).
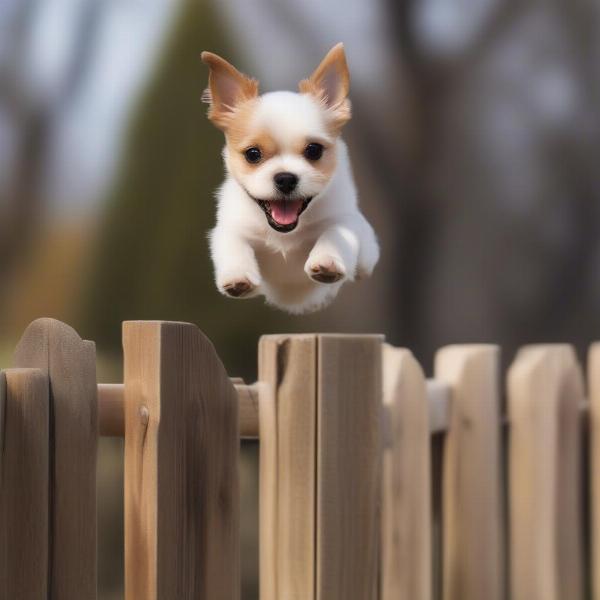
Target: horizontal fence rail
(376, 483)
(111, 409)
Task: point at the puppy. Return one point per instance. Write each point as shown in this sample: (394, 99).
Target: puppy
(288, 223)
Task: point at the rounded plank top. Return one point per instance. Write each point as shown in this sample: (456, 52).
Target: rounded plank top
(181, 465)
(70, 364)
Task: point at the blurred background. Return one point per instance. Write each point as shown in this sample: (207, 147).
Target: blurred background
(475, 142)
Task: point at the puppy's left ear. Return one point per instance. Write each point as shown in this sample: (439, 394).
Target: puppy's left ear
(330, 83)
(227, 88)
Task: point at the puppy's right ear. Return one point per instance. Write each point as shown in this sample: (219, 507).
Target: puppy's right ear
(330, 84)
(227, 88)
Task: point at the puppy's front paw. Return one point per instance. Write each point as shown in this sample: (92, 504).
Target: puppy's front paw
(325, 269)
(242, 286)
(238, 289)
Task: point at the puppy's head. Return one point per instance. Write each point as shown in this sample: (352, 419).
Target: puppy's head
(281, 146)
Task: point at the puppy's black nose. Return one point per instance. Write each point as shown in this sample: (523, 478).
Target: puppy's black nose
(285, 182)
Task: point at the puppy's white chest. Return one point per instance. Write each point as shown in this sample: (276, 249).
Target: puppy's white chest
(284, 266)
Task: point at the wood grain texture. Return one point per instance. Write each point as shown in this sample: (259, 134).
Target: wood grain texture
(181, 466)
(545, 391)
(594, 397)
(473, 529)
(348, 466)
(406, 561)
(24, 484)
(267, 492)
(70, 364)
(288, 366)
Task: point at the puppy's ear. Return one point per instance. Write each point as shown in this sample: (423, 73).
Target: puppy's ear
(330, 83)
(227, 88)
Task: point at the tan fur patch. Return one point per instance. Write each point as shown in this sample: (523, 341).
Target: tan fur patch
(227, 89)
(239, 126)
(240, 136)
(329, 84)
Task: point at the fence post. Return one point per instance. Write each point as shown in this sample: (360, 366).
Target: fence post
(181, 466)
(545, 392)
(24, 483)
(70, 364)
(473, 543)
(406, 561)
(320, 471)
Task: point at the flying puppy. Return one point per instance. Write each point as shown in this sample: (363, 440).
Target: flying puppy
(288, 222)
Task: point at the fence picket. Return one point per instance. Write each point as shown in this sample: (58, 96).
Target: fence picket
(320, 453)
(288, 366)
(181, 466)
(473, 544)
(406, 560)
(349, 397)
(70, 364)
(24, 464)
(545, 391)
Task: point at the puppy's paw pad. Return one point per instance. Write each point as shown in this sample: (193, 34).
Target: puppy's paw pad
(327, 271)
(238, 288)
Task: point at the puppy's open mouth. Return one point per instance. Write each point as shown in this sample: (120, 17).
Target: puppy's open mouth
(283, 214)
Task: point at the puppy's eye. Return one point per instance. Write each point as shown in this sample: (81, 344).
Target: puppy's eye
(313, 151)
(253, 155)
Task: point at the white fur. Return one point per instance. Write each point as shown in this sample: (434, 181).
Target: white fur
(331, 231)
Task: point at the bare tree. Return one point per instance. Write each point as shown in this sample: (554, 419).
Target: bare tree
(32, 116)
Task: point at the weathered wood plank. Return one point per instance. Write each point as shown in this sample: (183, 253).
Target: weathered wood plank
(545, 391)
(181, 466)
(288, 368)
(349, 406)
(24, 484)
(406, 561)
(70, 364)
(473, 530)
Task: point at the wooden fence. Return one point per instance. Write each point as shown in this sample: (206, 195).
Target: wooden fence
(375, 483)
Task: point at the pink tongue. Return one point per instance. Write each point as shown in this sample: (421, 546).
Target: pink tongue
(285, 212)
